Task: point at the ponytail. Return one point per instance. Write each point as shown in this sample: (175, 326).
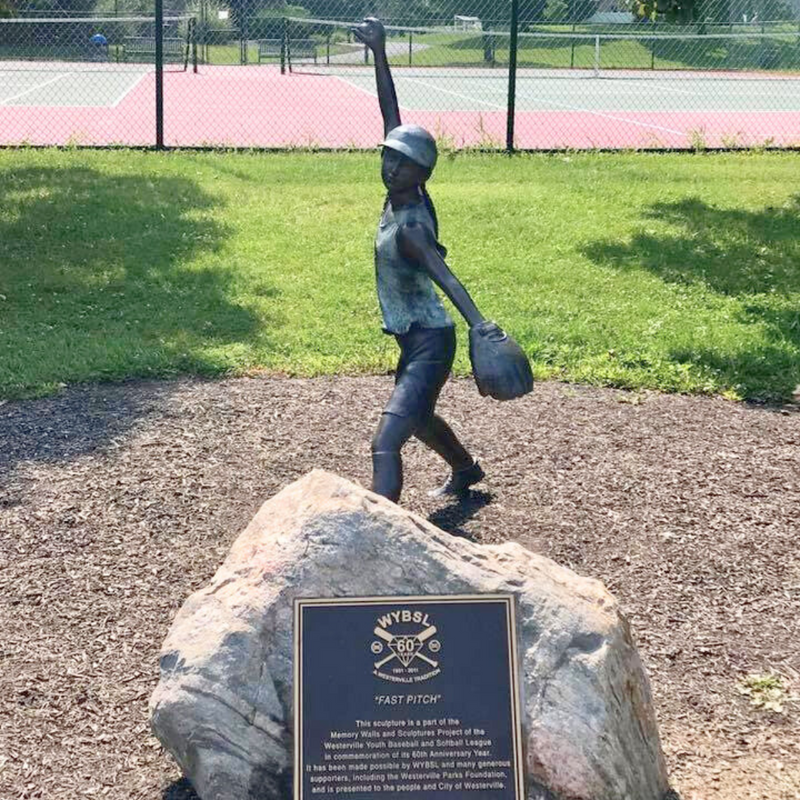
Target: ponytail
(426, 198)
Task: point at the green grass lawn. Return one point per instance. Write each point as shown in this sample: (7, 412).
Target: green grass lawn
(672, 272)
(780, 51)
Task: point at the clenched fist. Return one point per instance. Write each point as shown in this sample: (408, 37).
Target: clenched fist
(371, 32)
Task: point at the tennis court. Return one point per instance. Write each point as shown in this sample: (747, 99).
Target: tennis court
(74, 103)
(257, 106)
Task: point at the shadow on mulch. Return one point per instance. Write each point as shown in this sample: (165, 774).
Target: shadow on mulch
(750, 255)
(37, 431)
(452, 518)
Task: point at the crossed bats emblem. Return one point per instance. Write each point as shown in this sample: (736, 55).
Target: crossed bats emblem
(406, 648)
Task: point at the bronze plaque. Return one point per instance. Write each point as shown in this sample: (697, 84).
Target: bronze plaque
(413, 697)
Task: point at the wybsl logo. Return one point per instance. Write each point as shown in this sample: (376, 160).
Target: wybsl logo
(404, 646)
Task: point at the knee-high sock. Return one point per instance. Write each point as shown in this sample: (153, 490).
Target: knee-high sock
(387, 467)
(387, 475)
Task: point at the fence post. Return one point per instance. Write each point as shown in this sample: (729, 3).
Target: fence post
(410, 46)
(654, 44)
(159, 74)
(284, 38)
(572, 49)
(193, 40)
(512, 76)
(204, 32)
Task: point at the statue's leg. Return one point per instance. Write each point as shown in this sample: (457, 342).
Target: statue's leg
(439, 436)
(387, 466)
(466, 471)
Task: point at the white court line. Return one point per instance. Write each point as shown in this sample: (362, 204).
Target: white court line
(468, 98)
(34, 89)
(680, 91)
(605, 116)
(366, 91)
(698, 93)
(647, 89)
(129, 90)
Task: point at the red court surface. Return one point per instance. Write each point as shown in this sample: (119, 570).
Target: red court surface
(258, 107)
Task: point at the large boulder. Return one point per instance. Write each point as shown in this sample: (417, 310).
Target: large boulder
(223, 706)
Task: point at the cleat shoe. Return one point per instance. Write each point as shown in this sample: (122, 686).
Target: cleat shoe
(460, 481)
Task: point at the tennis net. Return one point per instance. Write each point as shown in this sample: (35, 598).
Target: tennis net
(29, 41)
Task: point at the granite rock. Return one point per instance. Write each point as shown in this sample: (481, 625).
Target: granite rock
(223, 706)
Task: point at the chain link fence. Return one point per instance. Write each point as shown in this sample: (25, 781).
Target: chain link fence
(516, 74)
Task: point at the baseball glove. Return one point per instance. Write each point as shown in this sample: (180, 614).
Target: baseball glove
(500, 367)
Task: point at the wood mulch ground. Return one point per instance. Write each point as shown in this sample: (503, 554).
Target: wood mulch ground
(117, 501)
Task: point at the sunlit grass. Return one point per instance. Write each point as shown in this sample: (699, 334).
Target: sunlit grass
(671, 272)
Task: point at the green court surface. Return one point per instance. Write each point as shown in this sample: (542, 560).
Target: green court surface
(69, 85)
(541, 90)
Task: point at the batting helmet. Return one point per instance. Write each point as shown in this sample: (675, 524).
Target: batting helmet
(413, 142)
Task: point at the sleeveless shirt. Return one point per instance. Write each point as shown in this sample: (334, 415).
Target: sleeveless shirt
(405, 290)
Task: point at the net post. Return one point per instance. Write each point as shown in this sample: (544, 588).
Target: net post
(159, 74)
(597, 56)
(572, 48)
(207, 48)
(193, 24)
(512, 76)
(187, 49)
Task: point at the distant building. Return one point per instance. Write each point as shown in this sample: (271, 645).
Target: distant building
(462, 23)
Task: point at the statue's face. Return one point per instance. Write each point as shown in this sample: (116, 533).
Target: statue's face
(399, 172)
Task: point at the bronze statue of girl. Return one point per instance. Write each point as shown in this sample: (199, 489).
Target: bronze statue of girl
(409, 260)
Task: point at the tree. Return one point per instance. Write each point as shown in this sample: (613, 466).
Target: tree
(58, 8)
(681, 12)
(569, 10)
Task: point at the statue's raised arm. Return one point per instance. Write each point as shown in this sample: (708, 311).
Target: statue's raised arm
(373, 34)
